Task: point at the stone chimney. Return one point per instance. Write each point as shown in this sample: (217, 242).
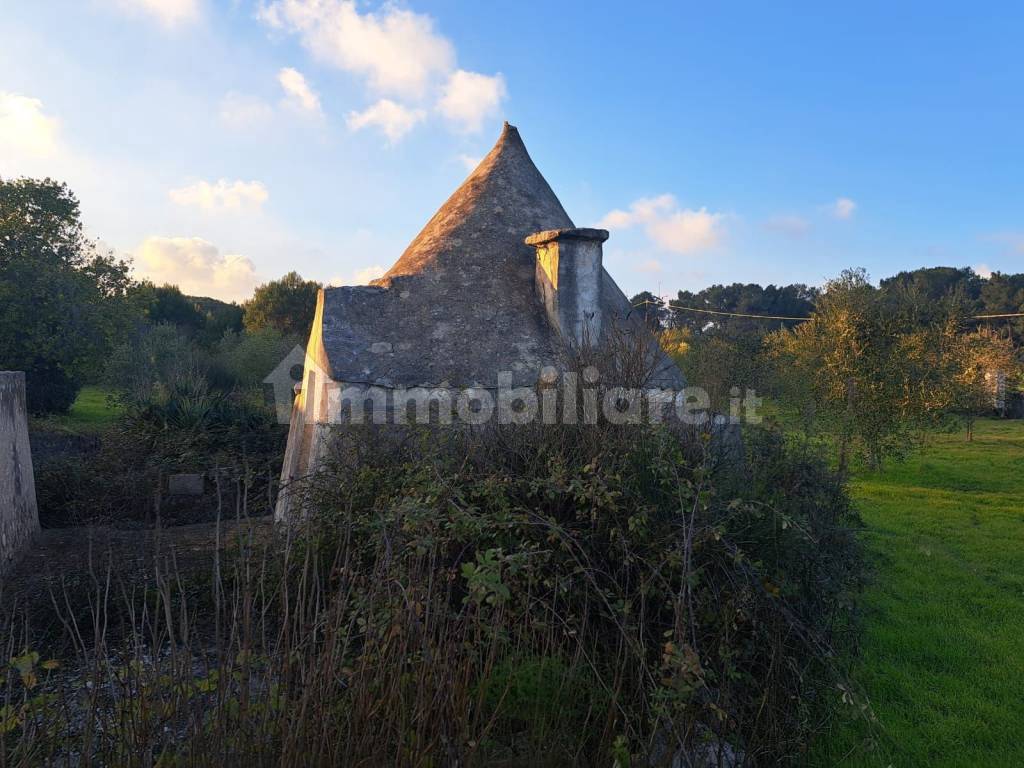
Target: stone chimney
(568, 281)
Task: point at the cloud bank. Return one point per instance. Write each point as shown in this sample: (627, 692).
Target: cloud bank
(197, 267)
(469, 98)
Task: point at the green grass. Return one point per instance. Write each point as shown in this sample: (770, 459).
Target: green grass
(92, 411)
(942, 660)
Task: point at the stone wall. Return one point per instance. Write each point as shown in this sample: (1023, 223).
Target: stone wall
(19, 518)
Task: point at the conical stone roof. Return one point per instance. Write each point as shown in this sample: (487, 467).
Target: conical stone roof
(459, 306)
(484, 223)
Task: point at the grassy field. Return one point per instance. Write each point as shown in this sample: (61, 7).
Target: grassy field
(943, 655)
(93, 410)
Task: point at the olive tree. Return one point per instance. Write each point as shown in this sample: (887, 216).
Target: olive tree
(872, 372)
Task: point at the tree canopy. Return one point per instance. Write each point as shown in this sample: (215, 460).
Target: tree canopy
(796, 300)
(287, 304)
(63, 302)
(204, 319)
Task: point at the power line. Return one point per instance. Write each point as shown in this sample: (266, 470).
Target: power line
(674, 307)
(996, 317)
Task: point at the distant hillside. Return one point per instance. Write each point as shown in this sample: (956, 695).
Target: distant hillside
(210, 306)
(218, 316)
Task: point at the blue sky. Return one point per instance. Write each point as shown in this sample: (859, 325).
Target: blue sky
(224, 143)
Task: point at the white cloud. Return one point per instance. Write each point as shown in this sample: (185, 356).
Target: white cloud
(789, 225)
(240, 111)
(25, 129)
(399, 54)
(669, 227)
(359, 277)
(298, 93)
(397, 50)
(983, 271)
(843, 208)
(649, 266)
(470, 161)
(197, 267)
(391, 118)
(643, 210)
(222, 195)
(686, 231)
(170, 13)
(468, 98)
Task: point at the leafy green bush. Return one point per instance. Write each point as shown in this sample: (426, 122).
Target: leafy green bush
(232, 438)
(245, 359)
(152, 359)
(699, 599)
(544, 698)
(49, 388)
(187, 423)
(185, 405)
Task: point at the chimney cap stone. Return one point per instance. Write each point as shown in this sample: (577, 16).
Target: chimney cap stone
(570, 233)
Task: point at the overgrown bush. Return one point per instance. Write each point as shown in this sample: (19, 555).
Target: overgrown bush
(188, 409)
(724, 366)
(246, 359)
(548, 596)
(185, 409)
(686, 603)
(50, 388)
(186, 422)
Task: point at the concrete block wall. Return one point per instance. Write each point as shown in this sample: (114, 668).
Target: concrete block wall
(19, 517)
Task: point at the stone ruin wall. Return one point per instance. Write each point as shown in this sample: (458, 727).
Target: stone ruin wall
(19, 518)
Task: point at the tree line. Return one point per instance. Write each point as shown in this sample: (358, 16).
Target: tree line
(68, 307)
(871, 369)
(972, 294)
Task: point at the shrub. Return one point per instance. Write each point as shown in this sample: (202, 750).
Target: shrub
(548, 596)
(719, 363)
(49, 388)
(544, 699)
(245, 359)
(232, 438)
(180, 413)
(153, 358)
(287, 304)
(699, 600)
